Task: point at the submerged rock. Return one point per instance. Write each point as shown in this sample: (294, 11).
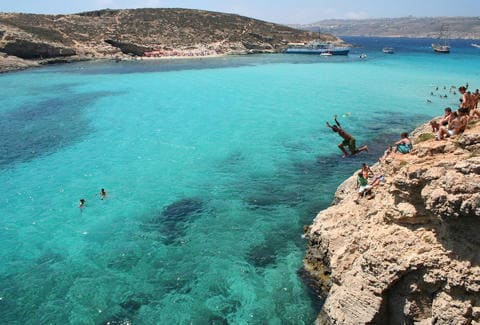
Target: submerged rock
(262, 255)
(175, 217)
(182, 209)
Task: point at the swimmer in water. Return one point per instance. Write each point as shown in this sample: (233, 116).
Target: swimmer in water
(82, 204)
(103, 194)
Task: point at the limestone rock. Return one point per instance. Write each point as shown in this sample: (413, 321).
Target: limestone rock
(136, 31)
(411, 255)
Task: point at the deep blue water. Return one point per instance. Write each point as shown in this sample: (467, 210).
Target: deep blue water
(212, 168)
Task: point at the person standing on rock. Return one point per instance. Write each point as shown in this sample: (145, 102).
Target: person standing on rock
(348, 140)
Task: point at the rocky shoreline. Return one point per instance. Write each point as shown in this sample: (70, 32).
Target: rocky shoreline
(410, 255)
(29, 40)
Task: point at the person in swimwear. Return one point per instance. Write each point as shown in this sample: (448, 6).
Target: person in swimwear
(443, 121)
(366, 171)
(404, 145)
(348, 140)
(456, 125)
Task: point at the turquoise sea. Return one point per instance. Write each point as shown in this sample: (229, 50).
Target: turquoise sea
(212, 169)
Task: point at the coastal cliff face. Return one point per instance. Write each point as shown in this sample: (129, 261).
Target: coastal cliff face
(122, 33)
(411, 254)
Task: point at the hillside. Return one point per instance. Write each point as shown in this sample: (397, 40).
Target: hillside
(410, 254)
(426, 27)
(117, 33)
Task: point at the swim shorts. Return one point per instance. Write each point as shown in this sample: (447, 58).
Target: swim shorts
(350, 144)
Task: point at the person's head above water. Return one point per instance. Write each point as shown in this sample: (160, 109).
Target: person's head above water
(448, 110)
(404, 135)
(335, 128)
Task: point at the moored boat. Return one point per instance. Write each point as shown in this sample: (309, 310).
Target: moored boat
(388, 50)
(442, 47)
(439, 48)
(475, 45)
(316, 47)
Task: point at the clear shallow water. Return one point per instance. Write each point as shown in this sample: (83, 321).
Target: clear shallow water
(212, 167)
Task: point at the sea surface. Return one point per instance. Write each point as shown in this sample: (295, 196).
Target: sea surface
(212, 169)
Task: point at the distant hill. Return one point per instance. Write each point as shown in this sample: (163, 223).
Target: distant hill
(428, 27)
(107, 33)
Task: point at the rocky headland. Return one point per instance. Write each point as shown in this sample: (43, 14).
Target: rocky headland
(31, 39)
(410, 254)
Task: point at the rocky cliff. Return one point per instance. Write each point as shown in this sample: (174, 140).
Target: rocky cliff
(411, 254)
(121, 33)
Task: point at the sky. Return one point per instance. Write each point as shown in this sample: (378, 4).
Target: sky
(278, 11)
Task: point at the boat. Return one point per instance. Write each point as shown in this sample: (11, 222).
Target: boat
(439, 47)
(316, 47)
(326, 54)
(475, 45)
(363, 56)
(388, 50)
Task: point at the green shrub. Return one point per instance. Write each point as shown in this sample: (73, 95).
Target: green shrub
(424, 137)
(473, 122)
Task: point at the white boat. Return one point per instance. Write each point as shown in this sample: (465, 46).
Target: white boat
(388, 50)
(441, 46)
(326, 54)
(475, 45)
(363, 56)
(316, 47)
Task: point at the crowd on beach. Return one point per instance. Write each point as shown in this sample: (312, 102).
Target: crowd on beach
(180, 53)
(451, 124)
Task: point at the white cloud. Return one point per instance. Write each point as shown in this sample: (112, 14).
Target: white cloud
(356, 15)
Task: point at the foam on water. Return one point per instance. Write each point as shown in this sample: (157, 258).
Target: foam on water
(212, 168)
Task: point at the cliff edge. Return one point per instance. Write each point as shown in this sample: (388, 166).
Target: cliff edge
(411, 254)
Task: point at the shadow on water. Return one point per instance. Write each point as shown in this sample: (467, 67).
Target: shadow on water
(175, 218)
(41, 128)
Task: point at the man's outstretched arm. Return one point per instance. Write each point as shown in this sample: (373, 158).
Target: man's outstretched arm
(335, 118)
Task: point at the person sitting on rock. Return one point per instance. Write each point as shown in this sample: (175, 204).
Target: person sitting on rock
(362, 187)
(404, 145)
(456, 125)
(442, 122)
